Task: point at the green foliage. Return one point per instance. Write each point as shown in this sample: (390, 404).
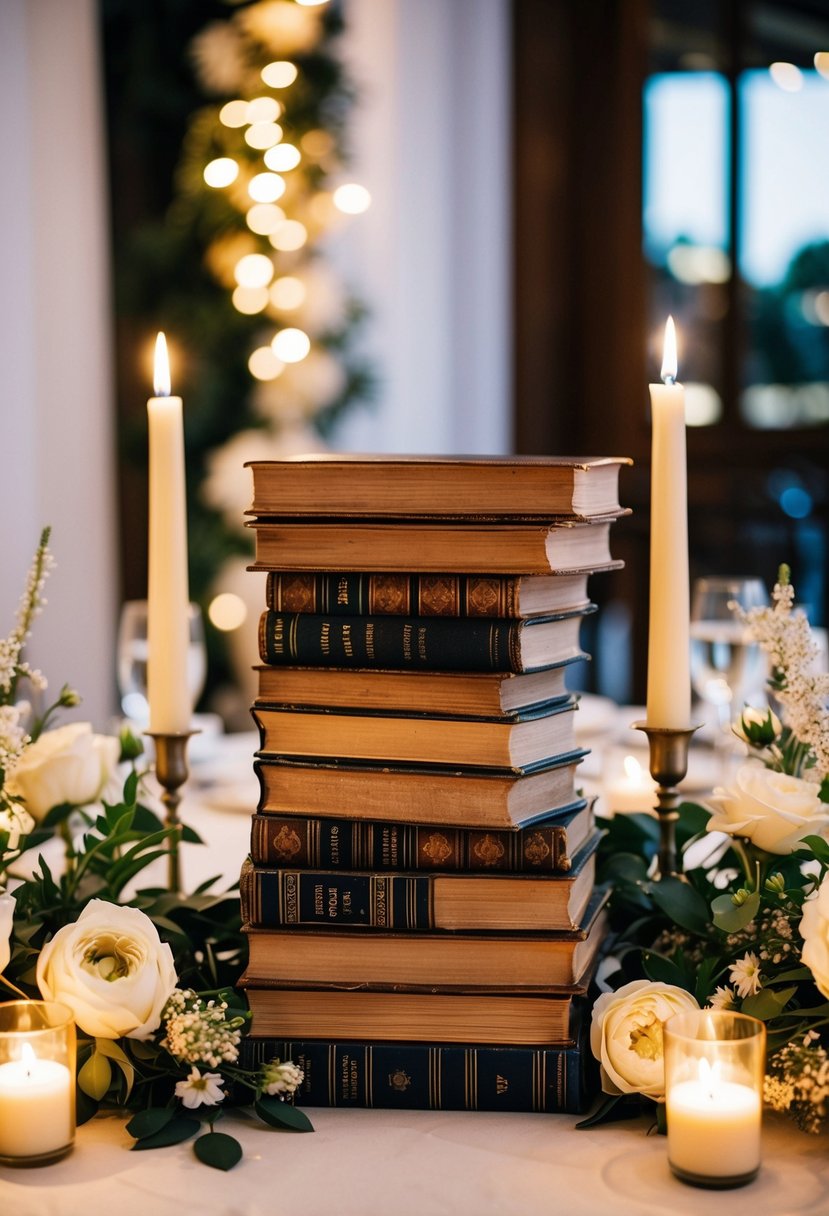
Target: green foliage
(218, 1150)
(282, 1115)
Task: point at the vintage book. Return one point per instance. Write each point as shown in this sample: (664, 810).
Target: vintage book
(531, 487)
(449, 797)
(428, 1076)
(519, 743)
(349, 593)
(477, 694)
(442, 962)
(425, 1017)
(546, 847)
(566, 547)
(281, 898)
(422, 643)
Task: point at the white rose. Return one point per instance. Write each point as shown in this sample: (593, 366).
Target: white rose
(68, 764)
(626, 1035)
(112, 970)
(772, 810)
(6, 918)
(814, 929)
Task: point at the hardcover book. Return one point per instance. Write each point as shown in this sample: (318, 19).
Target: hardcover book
(442, 486)
(546, 847)
(432, 644)
(420, 1076)
(275, 898)
(536, 737)
(449, 797)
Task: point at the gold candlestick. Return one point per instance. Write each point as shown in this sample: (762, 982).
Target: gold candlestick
(668, 765)
(172, 772)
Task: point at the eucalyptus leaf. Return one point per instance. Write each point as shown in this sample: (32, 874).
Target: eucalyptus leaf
(110, 1048)
(281, 1114)
(95, 1076)
(149, 1122)
(731, 917)
(768, 1002)
(179, 1128)
(219, 1150)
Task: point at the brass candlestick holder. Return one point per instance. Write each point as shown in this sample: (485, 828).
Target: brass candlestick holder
(171, 771)
(668, 765)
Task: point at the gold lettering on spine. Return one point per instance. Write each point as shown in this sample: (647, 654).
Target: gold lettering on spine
(325, 638)
(407, 643)
(421, 643)
(370, 640)
(342, 590)
(319, 903)
(278, 635)
(381, 894)
(291, 912)
(348, 645)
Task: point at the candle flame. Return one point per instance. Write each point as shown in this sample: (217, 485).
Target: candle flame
(633, 769)
(669, 364)
(28, 1057)
(709, 1076)
(161, 371)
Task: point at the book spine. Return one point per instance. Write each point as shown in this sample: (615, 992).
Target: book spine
(312, 639)
(348, 844)
(348, 594)
(417, 1076)
(280, 898)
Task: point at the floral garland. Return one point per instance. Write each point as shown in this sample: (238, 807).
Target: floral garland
(148, 978)
(749, 929)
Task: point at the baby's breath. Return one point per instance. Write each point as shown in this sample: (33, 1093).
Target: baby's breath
(198, 1031)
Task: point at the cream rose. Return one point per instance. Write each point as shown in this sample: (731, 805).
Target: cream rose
(68, 764)
(626, 1035)
(772, 810)
(6, 918)
(112, 970)
(814, 929)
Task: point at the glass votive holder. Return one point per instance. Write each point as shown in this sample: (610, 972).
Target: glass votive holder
(715, 1062)
(37, 1082)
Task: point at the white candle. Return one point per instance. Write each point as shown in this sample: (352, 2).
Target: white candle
(167, 593)
(713, 1126)
(35, 1106)
(669, 679)
(632, 790)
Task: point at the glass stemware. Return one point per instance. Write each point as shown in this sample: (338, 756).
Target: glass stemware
(133, 648)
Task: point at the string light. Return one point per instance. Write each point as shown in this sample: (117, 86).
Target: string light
(221, 172)
(282, 157)
(263, 109)
(253, 270)
(280, 74)
(264, 218)
(266, 187)
(234, 113)
(263, 135)
(291, 345)
(352, 199)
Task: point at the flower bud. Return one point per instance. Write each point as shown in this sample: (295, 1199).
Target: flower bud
(758, 727)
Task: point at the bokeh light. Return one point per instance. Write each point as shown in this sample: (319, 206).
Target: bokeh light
(263, 364)
(291, 345)
(352, 199)
(227, 611)
(288, 293)
(289, 236)
(282, 157)
(266, 187)
(253, 270)
(221, 172)
(280, 74)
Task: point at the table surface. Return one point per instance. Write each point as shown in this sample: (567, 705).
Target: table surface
(389, 1163)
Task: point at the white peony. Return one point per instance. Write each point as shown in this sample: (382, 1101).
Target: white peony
(626, 1035)
(112, 970)
(772, 810)
(814, 929)
(6, 919)
(66, 765)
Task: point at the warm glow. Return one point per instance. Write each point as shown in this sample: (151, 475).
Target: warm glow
(703, 405)
(266, 187)
(27, 1055)
(288, 293)
(263, 109)
(234, 113)
(822, 63)
(311, 3)
(695, 264)
(161, 368)
(250, 300)
(289, 236)
(227, 611)
(264, 365)
(279, 75)
(253, 270)
(669, 364)
(317, 144)
(264, 218)
(352, 198)
(787, 76)
(291, 345)
(633, 769)
(221, 172)
(263, 135)
(282, 157)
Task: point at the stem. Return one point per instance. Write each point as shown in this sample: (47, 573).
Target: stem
(13, 987)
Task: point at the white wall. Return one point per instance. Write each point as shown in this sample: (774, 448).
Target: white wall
(430, 139)
(56, 405)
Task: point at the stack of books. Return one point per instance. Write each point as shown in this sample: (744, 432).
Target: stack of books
(420, 898)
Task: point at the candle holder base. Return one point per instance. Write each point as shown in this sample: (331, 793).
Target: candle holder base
(171, 773)
(37, 1159)
(668, 765)
(722, 1183)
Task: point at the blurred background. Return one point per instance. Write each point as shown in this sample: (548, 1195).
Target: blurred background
(442, 226)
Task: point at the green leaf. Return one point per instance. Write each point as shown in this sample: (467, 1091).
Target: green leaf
(682, 903)
(131, 788)
(281, 1114)
(57, 815)
(149, 1122)
(796, 973)
(707, 972)
(611, 1108)
(219, 1150)
(730, 917)
(819, 847)
(85, 1107)
(179, 1128)
(95, 1076)
(110, 1048)
(768, 1002)
(625, 867)
(664, 970)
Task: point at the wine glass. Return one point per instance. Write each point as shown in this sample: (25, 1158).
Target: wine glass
(133, 650)
(726, 666)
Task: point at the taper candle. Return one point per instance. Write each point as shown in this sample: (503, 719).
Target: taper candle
(168, 630)
(669, 678)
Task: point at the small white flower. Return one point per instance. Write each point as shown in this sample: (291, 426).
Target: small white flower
(745, 975)
(281, 1078)
(200, 1089)
(724, 998)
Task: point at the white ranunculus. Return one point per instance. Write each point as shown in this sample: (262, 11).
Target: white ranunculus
(66, 765)
(626, 1035)
(814, 929)
(112, 970)
(6, 918)
(772, 810)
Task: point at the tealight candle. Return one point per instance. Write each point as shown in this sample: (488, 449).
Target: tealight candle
(714, 1067)
(631, 790)
(37, 1082)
